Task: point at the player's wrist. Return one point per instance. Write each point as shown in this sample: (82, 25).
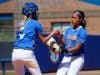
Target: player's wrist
(66, 50)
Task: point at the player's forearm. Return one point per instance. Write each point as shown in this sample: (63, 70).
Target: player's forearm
(45, 39)
(72, 50)
(75, 49)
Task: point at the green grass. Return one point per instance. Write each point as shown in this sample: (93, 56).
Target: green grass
(8, 72)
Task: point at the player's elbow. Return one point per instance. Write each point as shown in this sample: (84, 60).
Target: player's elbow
(42, 38)
(75, 49)
(43, 41)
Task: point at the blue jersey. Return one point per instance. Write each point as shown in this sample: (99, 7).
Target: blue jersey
(74, 36)
(26, 36)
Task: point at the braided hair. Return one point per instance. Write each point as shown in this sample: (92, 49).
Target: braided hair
(81, 15)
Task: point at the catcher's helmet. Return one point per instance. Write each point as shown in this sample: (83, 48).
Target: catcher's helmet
(29, 8)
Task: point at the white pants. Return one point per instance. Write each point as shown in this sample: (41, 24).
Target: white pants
(22, 58)
(70, 65)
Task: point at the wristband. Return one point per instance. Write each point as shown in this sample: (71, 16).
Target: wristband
(64, 51)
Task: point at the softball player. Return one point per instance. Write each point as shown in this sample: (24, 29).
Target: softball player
(74, 38)
(26, 36)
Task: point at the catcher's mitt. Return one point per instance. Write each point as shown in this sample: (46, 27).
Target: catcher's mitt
(54, 49)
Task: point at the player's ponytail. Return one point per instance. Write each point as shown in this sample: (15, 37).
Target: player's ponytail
(82, 17)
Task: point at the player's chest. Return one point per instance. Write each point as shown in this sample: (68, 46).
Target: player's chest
(72, 35)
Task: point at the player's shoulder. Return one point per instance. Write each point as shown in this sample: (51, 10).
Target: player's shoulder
(68, 28)
(33, 22)
(83, 31)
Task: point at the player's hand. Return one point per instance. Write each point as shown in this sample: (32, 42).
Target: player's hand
(53, 33)
(58, 32)
(64, 51)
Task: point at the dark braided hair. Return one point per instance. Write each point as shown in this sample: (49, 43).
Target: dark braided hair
(81, 16)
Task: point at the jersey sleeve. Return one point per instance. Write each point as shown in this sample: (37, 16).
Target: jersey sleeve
(34, 27)
(39, 29)
(64, 35)
(82, 38)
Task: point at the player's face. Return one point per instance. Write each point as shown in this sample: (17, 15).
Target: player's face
(75, 20)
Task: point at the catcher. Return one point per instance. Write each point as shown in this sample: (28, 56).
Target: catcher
(26, 36)
(54, 49)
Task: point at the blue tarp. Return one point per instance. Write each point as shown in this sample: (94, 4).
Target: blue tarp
(2, 1)
(92, 54)
(94, 2)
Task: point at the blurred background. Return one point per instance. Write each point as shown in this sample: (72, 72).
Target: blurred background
(53, 14)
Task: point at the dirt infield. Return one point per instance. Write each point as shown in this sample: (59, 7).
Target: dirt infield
(94, 72)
